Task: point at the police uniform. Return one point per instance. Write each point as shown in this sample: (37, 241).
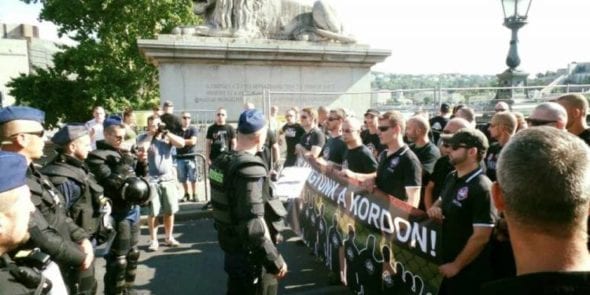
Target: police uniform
(237, 182)
(82, 195)
(112, 169)
(397, 171)
(50, 227)
(12, 275)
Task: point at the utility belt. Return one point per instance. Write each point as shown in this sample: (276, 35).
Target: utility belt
(26, 267)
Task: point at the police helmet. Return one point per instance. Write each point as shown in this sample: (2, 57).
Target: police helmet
(135, 190)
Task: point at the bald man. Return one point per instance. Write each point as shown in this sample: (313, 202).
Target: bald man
(501, 107)
(442, 167)
(576, 106)
(502, 128)
(549, 114)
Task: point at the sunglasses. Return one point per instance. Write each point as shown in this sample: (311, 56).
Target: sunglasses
(348, 130)
(333, 118)
(540, 122)
(40, 133)
(499, 110)
(383, 128)
(220, 114)
(303, 117)
(185, 117)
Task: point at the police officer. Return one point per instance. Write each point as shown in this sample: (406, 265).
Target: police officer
(52, 230)
(238, 180)
(15, 211)
(82, 195)
(113, 166)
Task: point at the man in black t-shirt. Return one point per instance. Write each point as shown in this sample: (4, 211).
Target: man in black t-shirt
(312, 142)
(542, 189)
(221, 137)
(442, 167)
(417, 130)
(186, 163)
(502, 127)
(576, 106)
(399, 173)
(292, 133)
(438, 123)
(370, 135)
(358, 157)
(465, 210)
(334, 149)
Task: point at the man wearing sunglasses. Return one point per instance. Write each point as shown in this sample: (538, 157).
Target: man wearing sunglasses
(186, 163)
(292, 132)
(313, 140)
(576, 106)
(21, 131)
(548, 114)
(221, 137)
(502, 127)
(465, 210)
(370, 135)
(334, 149)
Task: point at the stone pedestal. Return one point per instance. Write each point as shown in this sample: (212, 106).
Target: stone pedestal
(204, 73)
(512, 78)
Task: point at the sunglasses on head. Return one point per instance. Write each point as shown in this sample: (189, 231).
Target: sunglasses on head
(540, 122)
(383, 128)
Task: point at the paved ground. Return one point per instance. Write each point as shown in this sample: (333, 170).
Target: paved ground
(196, 266)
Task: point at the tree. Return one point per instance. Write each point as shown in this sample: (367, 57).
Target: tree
(105, 67)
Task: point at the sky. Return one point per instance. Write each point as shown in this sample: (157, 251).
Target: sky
(439, 36)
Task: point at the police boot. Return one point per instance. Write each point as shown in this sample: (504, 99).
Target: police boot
(114, 279)
(132, 258)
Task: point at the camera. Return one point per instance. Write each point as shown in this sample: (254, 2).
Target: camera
(162, 127)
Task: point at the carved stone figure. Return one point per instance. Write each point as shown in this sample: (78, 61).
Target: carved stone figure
(270, 19)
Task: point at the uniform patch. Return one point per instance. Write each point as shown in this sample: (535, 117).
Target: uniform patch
(394, 162)
(462, 193)
(369, 266)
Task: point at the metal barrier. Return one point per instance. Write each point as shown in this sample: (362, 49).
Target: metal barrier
(205, 172)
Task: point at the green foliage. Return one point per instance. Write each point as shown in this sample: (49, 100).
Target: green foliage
(105, 67)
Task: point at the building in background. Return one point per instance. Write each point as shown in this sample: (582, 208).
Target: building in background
(21, 51)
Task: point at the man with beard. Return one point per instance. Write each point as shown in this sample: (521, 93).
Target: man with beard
(502, 128)
(465, 210)
(334, 149)
(370, 135)
(313, 140)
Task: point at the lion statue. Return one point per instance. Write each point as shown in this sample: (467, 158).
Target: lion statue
(268, 19)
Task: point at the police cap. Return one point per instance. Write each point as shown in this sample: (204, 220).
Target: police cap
(250, 121)
(12, 113)
(14, 169)
(111, 121)
(69, 133)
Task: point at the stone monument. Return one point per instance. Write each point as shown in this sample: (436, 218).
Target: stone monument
(297, 53)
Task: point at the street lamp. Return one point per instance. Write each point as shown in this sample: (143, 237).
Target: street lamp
(515, 17)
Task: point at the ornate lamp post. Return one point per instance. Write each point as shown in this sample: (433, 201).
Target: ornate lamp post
(515, 17)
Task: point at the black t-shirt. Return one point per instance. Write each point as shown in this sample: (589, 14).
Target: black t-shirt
(427, 154)
(442, 168)
(545, 283)
(221, 137)
(293, 134)
(187, 134)
(334, 150)
(585, 136)
(373, 142)
(360, 160)
(466, 202)
(266, 153)
(315, 137)
(437, 124)
(491, 160)
(397, 171)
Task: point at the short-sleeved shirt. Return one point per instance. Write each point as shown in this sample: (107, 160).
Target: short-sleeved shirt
(315, 137)
(293, 134)
(398, 171)
(360, 160)
(221, 137)
(160, 162)
(437, 124)
(188, 133)
(334, 150)
(466, 203)
(491, 160)
(442, 168)
(427, 154)
(372, 141)
(585, 136)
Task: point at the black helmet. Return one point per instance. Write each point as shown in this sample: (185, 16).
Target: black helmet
(135, 190)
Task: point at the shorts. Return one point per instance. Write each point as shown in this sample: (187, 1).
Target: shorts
(187, 170)
(164, 198)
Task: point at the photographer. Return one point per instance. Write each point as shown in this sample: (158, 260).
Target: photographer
(159, 142)
(114, 165)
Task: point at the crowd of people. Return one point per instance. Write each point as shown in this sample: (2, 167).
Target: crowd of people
(512, 197)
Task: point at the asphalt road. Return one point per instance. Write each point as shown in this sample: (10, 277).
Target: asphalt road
(196, 267)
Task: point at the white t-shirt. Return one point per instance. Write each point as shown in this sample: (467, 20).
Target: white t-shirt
(98, 133)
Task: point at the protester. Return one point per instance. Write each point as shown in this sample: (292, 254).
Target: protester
(468, 114)
(576, 106)
(542, 189)
(95, 125)
(370, 135)
(550, 114)
(466, 214)
(311, 143)
(358, 158)
(502, 128)
(292, 133)
(438, 123)
(334, 149)
(186, 162)
(221, 136)
(129, 123)
(522, 124)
